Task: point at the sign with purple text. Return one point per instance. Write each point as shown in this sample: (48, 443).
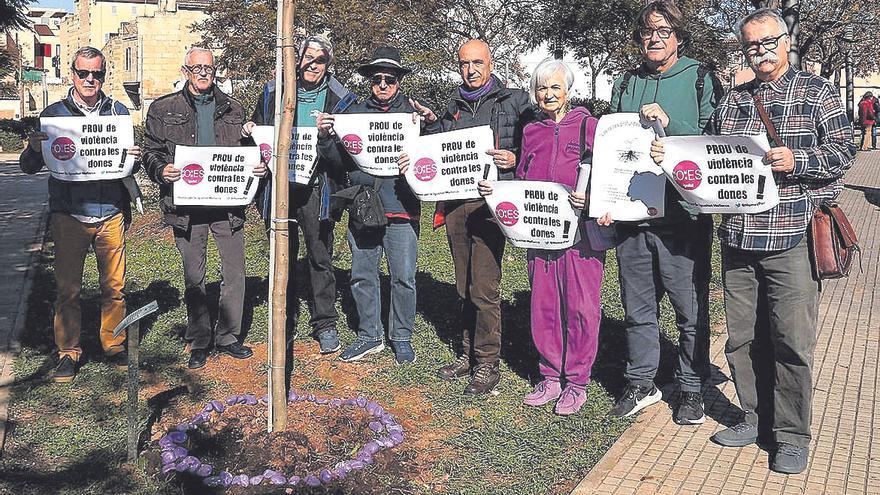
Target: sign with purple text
(721, 174)
(626, 182)
(215, 175)
(448, 165)
(534, 214)
(303, 154)
(375, 140)
(88, 148)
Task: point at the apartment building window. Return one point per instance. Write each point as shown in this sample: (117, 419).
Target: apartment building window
(113, 9)
(134, 10)
(128, 59)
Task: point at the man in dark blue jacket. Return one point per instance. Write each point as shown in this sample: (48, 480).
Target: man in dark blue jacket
(83, 214)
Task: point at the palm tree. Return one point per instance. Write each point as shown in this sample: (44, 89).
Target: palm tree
(12, 14)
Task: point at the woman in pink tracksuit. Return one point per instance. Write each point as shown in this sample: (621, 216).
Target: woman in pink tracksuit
(566, 283)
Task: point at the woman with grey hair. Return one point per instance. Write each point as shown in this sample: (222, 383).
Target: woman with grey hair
(566, 283)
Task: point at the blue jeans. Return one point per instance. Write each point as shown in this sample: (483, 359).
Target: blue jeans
(400, 243)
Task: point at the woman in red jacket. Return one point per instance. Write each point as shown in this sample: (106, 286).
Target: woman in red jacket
(867, 118)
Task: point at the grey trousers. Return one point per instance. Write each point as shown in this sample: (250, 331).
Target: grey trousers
(771, 300)
(675, 260)
(192, 245)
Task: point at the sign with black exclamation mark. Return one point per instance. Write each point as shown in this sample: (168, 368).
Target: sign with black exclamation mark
(486, 173)
(566, 226)
(247, 186)
(122, 162)
(762, 179)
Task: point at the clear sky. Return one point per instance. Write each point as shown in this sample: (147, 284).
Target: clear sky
(55, 4)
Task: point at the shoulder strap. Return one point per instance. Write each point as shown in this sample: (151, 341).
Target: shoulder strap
(583, 146)
(699, 85)
(771, 129)
(623, 85)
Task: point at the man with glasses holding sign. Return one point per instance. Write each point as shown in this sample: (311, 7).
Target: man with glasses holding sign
(399, 238)
(201, 115)
(86, 211)
(317, 92)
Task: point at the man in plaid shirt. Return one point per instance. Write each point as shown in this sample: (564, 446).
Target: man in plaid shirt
(770, 291)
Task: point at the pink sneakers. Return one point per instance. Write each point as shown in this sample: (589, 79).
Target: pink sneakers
(572, 399)
(544, 392)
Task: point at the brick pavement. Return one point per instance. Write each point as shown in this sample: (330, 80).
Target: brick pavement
(657, 456)
(23, 210)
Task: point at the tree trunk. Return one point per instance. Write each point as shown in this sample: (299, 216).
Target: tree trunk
(791, 14)
(279, 225)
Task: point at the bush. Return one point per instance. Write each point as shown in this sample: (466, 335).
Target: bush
(11, 141)
(597, 106)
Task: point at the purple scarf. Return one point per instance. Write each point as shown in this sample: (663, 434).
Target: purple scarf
(477, 93)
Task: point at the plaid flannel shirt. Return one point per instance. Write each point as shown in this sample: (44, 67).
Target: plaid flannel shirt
(810, 118)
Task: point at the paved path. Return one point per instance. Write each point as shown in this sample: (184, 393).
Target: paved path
(23, 207)
(657, 456)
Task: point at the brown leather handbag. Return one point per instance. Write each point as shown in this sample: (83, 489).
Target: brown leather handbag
(833, 241)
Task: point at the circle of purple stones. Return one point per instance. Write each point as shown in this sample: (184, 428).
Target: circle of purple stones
(389, 433)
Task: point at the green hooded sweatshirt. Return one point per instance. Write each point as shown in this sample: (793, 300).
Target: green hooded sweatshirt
(675, 91)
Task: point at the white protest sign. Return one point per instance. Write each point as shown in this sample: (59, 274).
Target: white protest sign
(88, 148)
(721, 174)
(375, 140)
(625, 182)
(534, 214)
(303, 154)
(448, 165)
(215, 175)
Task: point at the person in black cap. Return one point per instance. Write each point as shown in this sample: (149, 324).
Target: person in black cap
(399, 238)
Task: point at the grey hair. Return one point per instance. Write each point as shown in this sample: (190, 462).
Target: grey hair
(88, 52)
(761, 15)
(545, 71)
(322, 41)
(196, 49)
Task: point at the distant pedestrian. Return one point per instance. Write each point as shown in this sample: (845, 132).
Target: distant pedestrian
(867, 120)
(86, 214)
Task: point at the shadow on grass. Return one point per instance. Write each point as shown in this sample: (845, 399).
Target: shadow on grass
(99, 471)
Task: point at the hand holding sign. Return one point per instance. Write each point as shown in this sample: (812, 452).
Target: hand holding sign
(502, 159)
(781, 159)
(325, 123)
(35, 141)
(87, 149)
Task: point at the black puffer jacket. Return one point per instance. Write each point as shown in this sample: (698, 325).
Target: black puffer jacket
(507, 111)
(171, 121)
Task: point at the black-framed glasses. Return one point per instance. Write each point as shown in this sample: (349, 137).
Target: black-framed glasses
(84, 74)
(769, 44)
(378, 78)
(664, 33)
(200, 69)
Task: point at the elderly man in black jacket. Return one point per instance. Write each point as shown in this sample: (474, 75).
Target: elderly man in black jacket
(475, 240)
(201, 115)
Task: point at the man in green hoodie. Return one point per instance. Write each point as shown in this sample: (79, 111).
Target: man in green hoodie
(670, 254)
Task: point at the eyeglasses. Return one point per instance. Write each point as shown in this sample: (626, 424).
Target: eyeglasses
(200, 69)
(664, 33)
(378, 78)
(84, 74)
(769, 44)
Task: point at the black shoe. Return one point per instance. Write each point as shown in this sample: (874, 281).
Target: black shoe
(790, 459)
(198, 358)
(119, 360)
(689, 410)
(635, 398)
(486, 377)
(456, 369)
(65, 370)
(738, 435)
(236, 350)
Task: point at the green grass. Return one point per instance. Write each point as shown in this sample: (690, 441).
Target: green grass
(69, 439)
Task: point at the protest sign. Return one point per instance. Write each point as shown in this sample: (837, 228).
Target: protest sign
(215, 175)
(721, 174)
(534, 214)
(448, 165)
(93, 148)
(375, 140)
(303, 154)
(625, 181)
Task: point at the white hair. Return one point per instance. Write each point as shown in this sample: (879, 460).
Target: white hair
(761, 15)
(322, 41)
(196, 49)
(545, 70)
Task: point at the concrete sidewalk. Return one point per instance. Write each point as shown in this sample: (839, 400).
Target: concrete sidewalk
(23, 212)
(657, 456)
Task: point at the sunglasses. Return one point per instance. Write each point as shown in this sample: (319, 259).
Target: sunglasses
(378, 78)
(98, 75)
(200, 69)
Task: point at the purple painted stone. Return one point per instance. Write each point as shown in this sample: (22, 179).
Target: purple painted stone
(204, 470)
(339, 473)
(356, 464)
(250, 400)
(311, 480)
(179, 452)
(241, 480)
(350, 402)
(376, 426)
(226, 478)
(180, 467)
(168, 457)
(372, 447)
(208, 407)
(336, 402)
(256, 480)
(371, 407)
(326, 476)
(294, 480)
(177, 436)
(264, 399)
(310, 397)
(397, 438)
(218, 406)
(232, 400)
(278, 479)
(213, 481)
(192, 463)
(183, 426)
(292, 396)
(167, 468)
(322, 401)
(269, 473)
(361, 402)
(165, 442)
(385, 442)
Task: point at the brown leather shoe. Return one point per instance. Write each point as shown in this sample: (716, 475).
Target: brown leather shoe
(456, 369)
(65, 371)
(486, 377)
